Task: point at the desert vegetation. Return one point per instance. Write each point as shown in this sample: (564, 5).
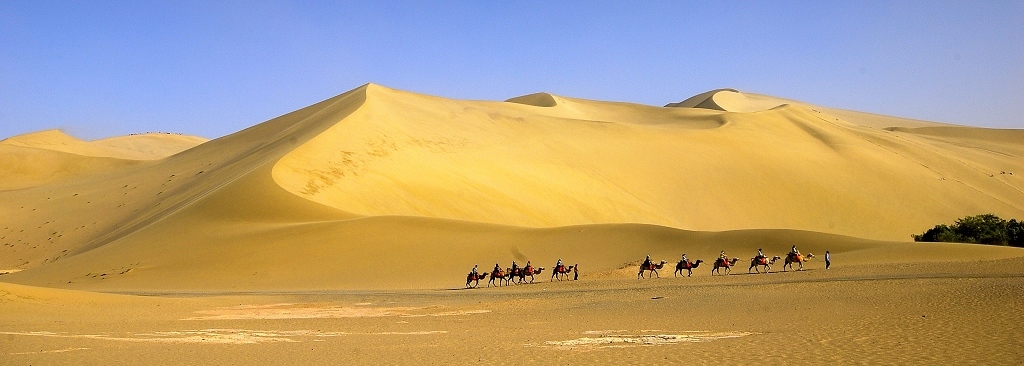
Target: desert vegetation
(979, 229)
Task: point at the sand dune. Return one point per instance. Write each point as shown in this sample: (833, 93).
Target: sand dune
(307, 195)
(732, 100)
(147, 146)
(337, 232)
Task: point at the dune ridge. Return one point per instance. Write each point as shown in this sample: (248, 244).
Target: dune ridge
(376, 174)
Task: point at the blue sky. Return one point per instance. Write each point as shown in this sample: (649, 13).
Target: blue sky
(208, 68)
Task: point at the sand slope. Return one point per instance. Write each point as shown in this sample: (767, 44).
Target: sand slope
(147, 146)
(545, 160)
(379, 188)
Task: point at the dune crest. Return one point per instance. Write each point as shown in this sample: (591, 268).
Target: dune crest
(147, 146)
(591, 162)
(329, 190)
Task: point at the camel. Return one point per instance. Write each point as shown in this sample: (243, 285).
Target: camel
(561, 270)
(498, 275)
(513, 274)
(474, 277)
(720, 263)
(798, 259)
(762, 261)
(688, 266)
(527, 271)
(652, 267)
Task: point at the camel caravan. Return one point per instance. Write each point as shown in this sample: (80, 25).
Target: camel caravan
(517, 275)
(758, 263)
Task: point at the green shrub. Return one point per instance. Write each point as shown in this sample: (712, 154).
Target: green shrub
(980, 229)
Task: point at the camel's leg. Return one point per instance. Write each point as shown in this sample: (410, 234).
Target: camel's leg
(655, 272)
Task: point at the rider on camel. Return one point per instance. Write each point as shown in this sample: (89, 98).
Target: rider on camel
(497, 268)
(760, 258)
(558, 266)
(794, 252)
(473, 271)
(528, 266)
(724, 258)
(685, 261)
(647, 263)
(515, 267)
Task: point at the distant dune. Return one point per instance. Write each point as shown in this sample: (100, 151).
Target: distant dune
(324, 196)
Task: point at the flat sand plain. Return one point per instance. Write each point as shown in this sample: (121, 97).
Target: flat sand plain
(861, 314)
(341, 233)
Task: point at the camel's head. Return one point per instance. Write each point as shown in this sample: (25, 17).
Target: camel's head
(663, 262)
(776, 257)
(810, 255)
(699, 261)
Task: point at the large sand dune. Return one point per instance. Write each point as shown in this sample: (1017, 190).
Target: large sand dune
(333, 233)
(335, 190)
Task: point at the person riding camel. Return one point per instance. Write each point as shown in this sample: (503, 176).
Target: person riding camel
(724, 258)
(515, 268)
(497, 268)
(760, 258)
(528, 267)
(685, 260)
(558, 266)
(473, 271)
(647, 263)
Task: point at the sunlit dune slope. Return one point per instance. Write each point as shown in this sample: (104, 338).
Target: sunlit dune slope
(25, 167)
(50, 222)
(52, 156)
(732, 100)
(379, 188)
(545, 160)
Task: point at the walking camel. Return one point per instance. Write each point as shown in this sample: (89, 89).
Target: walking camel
(798, 259)
(500, 276)
(722, 263)
(757, 262)
(474, 277)
(688, 266)
(653, 268)
(561, 270)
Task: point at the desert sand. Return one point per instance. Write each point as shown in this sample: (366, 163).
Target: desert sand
(342, 233)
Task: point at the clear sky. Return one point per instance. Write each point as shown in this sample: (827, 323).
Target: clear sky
(210, 68)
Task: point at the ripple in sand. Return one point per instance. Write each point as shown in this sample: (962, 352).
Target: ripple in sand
(218, 336)
(612, 339)
(310, 311)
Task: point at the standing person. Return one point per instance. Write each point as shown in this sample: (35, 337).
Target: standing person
(828, 260)
(576, 272)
